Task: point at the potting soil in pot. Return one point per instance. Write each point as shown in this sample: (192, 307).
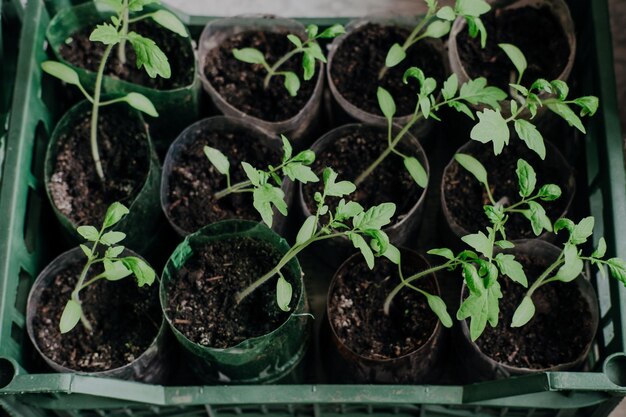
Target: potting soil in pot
(125, 320)
(360, 57)
(202, 296)
(241, 84)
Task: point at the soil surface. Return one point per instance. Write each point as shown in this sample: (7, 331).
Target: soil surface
(125, 320)
(356, 310)
(202, 296)
(349, 156)
(536, 32)
(360, 57)
(75, 187)
(241, 84)
(194, 181)
(465, 196)
(557, 334)
(80, 51)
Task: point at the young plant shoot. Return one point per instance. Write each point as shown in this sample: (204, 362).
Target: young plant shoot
(493, 127)
(115, 268)
(149, 56)
(437, 24)
(428, 104)
(310, 49)
(570, 264)
(349, 220)
(259, 182)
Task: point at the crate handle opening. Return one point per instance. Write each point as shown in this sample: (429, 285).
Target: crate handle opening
(615, 369)
(8, 371)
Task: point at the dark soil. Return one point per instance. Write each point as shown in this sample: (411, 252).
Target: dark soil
(75, 187)
(350, 156)
(360, 57)
(194, 180)
(80, 51)
(536, 32)
(241, 84)
(557, 334)
(356, 310)
(125, 320)
(465, 196)
(202, 295)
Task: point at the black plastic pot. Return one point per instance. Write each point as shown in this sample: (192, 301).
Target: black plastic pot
(151, 366)
(141, 224)
(337, 250)
(345, 111)
(264, 359)
(482, 367)
(417, 366)
(177, 107)
(298, 128)
(199, 132)
(555, 163)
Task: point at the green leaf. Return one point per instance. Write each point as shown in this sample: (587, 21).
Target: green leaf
(505, 244)
(480, 243)
(386, 103)
(308, 65)
(561, 89)
(617, 268)
(144, 274)
(306, 157)
(491, 128)
(573, 266)
(284, 293)
(264, 197)
(299, 172)
(477, 92)
(218, 159)
(86, 250)
(115, 213)
(287, 149)
(360, 243)
(437, 29)
(306, 230)
(462, 108)
(450, 87)
(524, 312)
(438, 306)
(600, 250)
(336, 189)
(114, 251)
(520, 89)
(332, 32)
(141, 103)
(150, 56)
(549, 192)
(249, 55)
(375, 217)
(393, 254)
(169, 21)
(252, 174)
(443, 252)
(473, 8)
(413, 72)
(424, 102)
(114, 5)
(61, 71)
(527, 178)
(481, 309)
(567, 114)
(542, 85)
(564, 224)
(137, 5)
(479, 28)
(71, 316)
(531, 136)
(90, 233)
(511, 268)
(538, 218)
(292, 83)
(516, 56)
(472, 279)
(417, 171)
(111, 238)
(589, 105)
(446, 13)
(582, 231)
(105, 33)
(347, 210)
(316, 52)
(295, 40)
(312, 30)
(395, 55)
(115, 270)
(473, 166)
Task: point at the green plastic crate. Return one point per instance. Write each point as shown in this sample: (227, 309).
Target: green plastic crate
(25, 246)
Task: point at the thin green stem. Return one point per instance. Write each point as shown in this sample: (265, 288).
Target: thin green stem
(139, 18)
(94, 113)
(271, 71)
(121, 48)
(540, 281)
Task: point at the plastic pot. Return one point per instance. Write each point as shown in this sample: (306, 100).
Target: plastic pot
(337, 250)
(141, 224)
(264, 359)
(414, 367)
(560, 11)
(481, 366)
(554, 163)
(177, 107)
(351, 112)
(150, 366)
(297, 128)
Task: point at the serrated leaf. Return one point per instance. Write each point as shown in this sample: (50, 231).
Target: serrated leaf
(105, 33)
(141, 103)
(549, 192)
(567, 114)
(524, 312)
(111, 238)
(538, 218)
(306, 230)
(218, 159)
(527, 178)
(316, 52)
(511, 268)
(249, 55)
(450, 87)
(564, 224)
(531, 136)
(61, 71)
(480, 243)
(416, 170)
(308, 65)
(477, 92)
(115, 270)
(375, 217)
(347, 210)
(438, 306)
(90, 233)
(491, 128)
(266, 196)
(332, 32)
(299, 172)
(472, 165)
(617, 268)
(395, 55)
(114, 251)
(516, 56)
(336, 189)
(360, 243)
(284, 292)
(582, 231)
(505, 244)
(72, 312)
(149, 56)
(561, 88)
(169, 21)
(542, 85)
(143, 272)
(589, 105)
(600, 250)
